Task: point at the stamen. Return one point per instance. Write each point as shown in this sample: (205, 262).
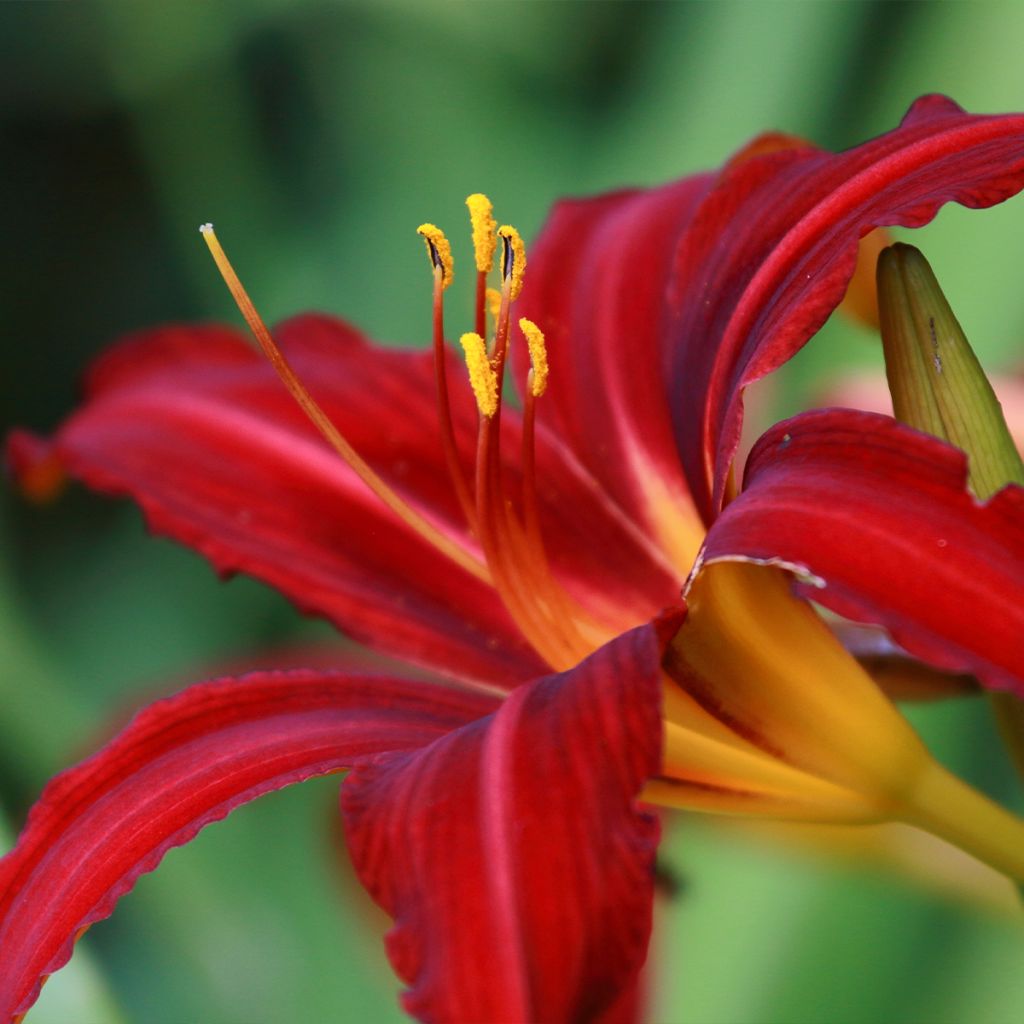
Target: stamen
(493, 303)
(311, 408)
(541, 632)
(439, 250)
(555, 624)
(573, 620)
(508, 552)
(482, 377)
(513, 259)
(481, 216)
(441, 258)
(485, 241)
(538, 356)
(516, 557)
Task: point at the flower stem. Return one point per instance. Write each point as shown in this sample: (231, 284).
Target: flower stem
(947, 807)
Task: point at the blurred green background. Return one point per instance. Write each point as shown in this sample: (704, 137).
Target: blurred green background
(317, 136)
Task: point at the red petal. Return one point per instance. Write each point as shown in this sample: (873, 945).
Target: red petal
(181, 764)
(512, 853)
(194, 425)
(881, 514)
(633, 577)
(772, 250)
(655, 303)
(629, 1007)
(596, 286)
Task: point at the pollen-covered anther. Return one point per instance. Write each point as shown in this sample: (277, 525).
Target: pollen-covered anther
(485, 240)
(439, 250)
(513, 260)
(538, 356)
(482, 377)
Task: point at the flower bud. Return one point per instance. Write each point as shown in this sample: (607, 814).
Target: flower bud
(936, 381)
(938, 386)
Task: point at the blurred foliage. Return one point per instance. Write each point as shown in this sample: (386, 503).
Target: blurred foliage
(317, 136)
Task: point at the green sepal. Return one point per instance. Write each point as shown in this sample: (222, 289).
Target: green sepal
(936, 381)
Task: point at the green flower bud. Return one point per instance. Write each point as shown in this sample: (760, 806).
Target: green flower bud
(936, 381)
(938, 386)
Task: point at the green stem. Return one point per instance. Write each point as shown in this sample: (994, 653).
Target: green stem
(948, 808)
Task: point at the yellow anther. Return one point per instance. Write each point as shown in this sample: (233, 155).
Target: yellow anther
(482, 377)
(493, 302)
(439, 250)
(538, 356)
(485, 241)
(513, 259)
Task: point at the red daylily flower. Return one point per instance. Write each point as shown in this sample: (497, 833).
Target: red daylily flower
(493, 809)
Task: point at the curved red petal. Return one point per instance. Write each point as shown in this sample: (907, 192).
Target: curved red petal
(773, 247)
(512, 853)
(194, 425)
(596, 286)
(182, 763)
(663, 305)
(881, 516)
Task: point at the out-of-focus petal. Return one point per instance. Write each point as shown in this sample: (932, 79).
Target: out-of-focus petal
(512, 854)
(36, 466)
(772, 249)
(900, 676)
(182, 763)
(880, 516)
(860, 302)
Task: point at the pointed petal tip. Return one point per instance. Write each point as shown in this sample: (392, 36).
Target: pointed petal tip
(33, 463)
(934, 104)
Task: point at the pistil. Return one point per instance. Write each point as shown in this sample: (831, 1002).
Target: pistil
(440, 255)
(516, 561)
(555, 625)
(401, 508)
